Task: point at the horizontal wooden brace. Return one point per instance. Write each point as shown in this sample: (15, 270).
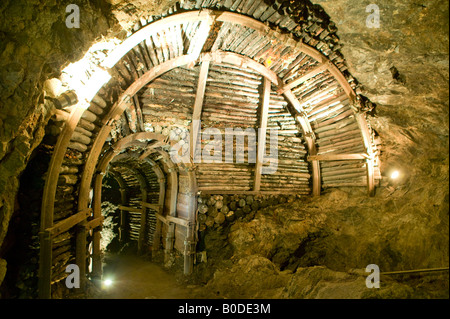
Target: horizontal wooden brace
(95, 223)
(171, 219)
(151, 206)
(130, 209)
(68, 223)
(338, 157)
(265, 193)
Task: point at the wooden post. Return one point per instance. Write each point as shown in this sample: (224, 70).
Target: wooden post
(310, 139)
(80, 252)
(45, 265)
(173, 175)
(197, 113)
(169, 241)
(188, 250)
(97, 253)
(190, 240)
(162, 196)
(142, 230)
(365, 132)
(123, 217)
(262, 136)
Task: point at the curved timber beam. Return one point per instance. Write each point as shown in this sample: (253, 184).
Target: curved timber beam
(117, 110)
(118, 147)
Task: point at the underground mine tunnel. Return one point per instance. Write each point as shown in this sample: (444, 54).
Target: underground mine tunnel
(224, 149)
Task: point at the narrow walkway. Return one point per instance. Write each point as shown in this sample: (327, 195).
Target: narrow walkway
(134, 278)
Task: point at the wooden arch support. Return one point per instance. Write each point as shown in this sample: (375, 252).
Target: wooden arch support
(209, 17)
(217, 56)
(144, 195)
(118, 147)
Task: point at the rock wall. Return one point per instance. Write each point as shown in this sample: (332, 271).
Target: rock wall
(325, 244)
(403, 67)
(35, 45)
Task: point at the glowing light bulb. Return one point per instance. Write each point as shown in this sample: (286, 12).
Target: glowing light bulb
(107, 282)
(395, 175)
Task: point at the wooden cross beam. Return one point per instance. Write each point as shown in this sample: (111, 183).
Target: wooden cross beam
(338, 157)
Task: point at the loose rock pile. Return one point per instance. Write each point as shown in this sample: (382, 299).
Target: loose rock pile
(217, 210)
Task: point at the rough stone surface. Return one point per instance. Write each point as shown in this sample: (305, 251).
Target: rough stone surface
(129, 12)
(322, 283)
(2, 269)
(403, 67)
(35, 45)
(318, 243)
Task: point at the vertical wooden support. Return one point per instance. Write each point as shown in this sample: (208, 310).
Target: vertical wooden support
(316, 177)
(124, 202)
(310, 138)
(188, 250)
(97, 253)
(190, 240)
(262, 136)
(45, 265)
(197, 113)
(169, 241)
(81, 252)
(157, 234)
(123, 217)
(156, 238)
(142, 230)
(48, 202)
(173, 175)
(140, 118)
(366, 135)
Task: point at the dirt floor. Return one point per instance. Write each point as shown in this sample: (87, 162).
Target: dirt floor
(135, 278)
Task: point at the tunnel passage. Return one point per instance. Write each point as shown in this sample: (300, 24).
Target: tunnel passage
(225, 69)
(137, 183)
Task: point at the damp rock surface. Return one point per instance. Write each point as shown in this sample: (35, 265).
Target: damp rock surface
(326, 244)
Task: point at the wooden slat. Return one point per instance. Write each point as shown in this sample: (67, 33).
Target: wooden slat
(95, 223)
(320, 68)
(338, 157)
(171, 219)
(68, 223)
(151, 206)
(233, 192)
(130, 209)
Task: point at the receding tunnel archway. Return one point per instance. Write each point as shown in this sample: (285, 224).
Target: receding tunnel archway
(225, 69)
(287, 115)
(148, 176)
